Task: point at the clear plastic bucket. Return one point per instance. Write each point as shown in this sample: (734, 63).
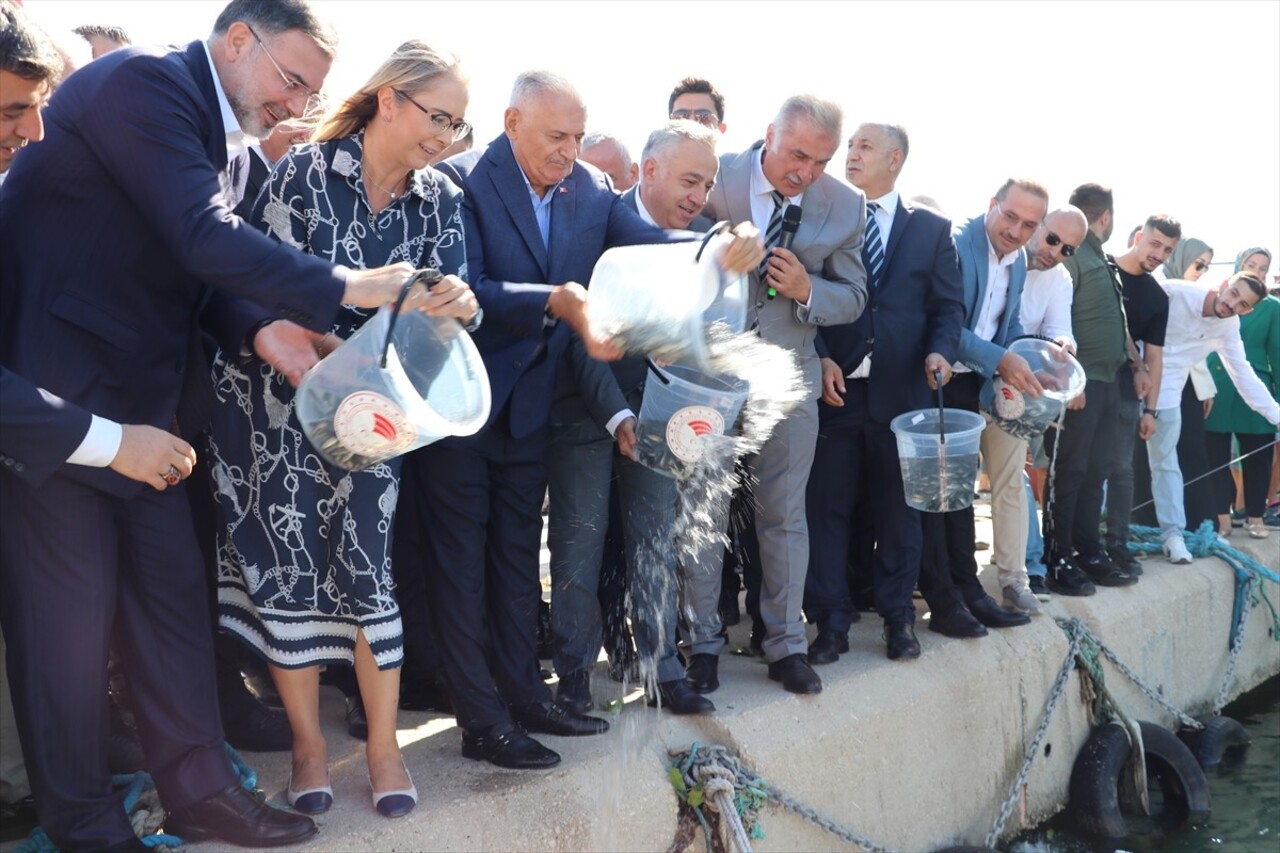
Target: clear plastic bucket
(685, 415)
(402, 381)
(938, 477)
(1059, 373)
(661, 299)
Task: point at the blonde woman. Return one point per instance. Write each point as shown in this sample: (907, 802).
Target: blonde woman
(304, 548)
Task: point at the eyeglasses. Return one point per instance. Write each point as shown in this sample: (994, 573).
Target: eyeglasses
(1199, 265)
(705, 117)
(1014, 220)
(291, 85)
(440, 119)
(1054, 240)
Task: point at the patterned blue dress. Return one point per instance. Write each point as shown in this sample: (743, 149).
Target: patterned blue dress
(304, 548)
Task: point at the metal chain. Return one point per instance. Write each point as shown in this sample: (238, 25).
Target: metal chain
(1182, 717)
(1059, 687)
(1237, 644)
(827, 824)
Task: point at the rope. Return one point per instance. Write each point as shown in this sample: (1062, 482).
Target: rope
(702, 775)
(1215, 470)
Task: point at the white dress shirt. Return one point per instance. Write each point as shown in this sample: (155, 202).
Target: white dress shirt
(887, 210)
(1045, 309)
(996, 298)
(1190, 337)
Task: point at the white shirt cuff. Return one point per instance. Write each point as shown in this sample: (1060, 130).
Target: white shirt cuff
(100, 445)
(612, 425)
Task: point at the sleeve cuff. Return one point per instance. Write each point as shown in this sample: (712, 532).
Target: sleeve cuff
(612, 425)
(100, 445)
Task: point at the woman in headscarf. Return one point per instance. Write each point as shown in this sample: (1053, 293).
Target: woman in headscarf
(305, 548)
(1232, 418)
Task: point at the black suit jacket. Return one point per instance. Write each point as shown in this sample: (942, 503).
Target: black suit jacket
(114, 229)
(916, 309)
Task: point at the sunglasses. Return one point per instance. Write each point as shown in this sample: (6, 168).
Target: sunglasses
(1200, 266)
(707, 117)
(1054, 241)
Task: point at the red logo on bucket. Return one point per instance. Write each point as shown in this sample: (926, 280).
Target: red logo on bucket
(372, 425)
(700, 428)
(688, 427)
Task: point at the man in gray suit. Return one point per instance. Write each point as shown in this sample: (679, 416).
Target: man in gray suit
(819, 281)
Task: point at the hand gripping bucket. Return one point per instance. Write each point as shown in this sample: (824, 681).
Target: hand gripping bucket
(1059, 374)
(685, 414)
(938, 476)
(661, 299)
(402, 381)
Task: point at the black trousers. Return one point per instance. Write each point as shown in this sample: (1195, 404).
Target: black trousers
(1256, 470)
(479, 506)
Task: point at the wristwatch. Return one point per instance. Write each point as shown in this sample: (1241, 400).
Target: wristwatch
(1151, 412)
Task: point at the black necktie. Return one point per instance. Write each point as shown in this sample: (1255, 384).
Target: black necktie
(772, 235)
(872, 249)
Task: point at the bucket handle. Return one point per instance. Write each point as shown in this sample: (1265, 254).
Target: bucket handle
(715, 230)
(426, 278)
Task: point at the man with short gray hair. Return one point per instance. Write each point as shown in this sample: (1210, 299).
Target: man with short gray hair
(819, 281)
(608, 154)
(678, 171)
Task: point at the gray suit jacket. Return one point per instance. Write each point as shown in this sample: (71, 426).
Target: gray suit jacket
(828, 243)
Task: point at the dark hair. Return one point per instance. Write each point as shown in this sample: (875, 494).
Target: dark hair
(1024, 185)
(270, 17)
(115, 34)
(1093, 200)
(697, 86)
(1165, 224)
(25, 50)
(1257, 285)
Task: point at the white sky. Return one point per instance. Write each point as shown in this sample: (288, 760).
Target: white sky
(1175, 105)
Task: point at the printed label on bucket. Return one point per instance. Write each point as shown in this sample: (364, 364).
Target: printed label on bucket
(371, 425)
(1009, 402)
(687, 427)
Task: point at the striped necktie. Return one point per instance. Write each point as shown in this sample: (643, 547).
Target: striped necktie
(872, 249)
(774, 233)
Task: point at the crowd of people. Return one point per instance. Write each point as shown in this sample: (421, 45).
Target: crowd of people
(231, 224)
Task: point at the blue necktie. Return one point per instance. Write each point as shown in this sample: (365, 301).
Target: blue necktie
(872, 249)
(774, 233)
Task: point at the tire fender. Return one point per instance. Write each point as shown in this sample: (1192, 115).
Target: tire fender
(1221, 737)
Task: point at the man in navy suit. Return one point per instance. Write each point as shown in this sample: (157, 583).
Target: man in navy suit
(993, 269)
(114, 231)
(534, 216)
(873, 370)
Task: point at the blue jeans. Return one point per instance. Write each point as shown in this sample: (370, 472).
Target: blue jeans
(1035, 541)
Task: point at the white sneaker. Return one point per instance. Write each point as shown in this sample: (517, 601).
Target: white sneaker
(1176, 550)
(1023, 598)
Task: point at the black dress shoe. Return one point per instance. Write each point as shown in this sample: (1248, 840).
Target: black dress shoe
(235, 815)
(986, 611)
(757, 638)
(507, 745)
(357, 722)
(795, 674)
(956, 622)
(1103, 572)
(17, 819)
(250, 725)
(730, 612)
(900, 640)
(679, 698)
(827, 647)
(551, 718)
(574, 691)
(702, 673)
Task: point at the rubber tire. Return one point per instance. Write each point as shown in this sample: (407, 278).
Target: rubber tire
(1220, 737)
(1094, 804)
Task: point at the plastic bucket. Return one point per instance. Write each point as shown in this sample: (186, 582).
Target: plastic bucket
(1058, 372)
(938, 477)
(662, 299)
(402, 381)
(685, 415)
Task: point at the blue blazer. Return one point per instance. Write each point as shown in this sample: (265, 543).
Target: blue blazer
(916, 309)
(38, 431)
(512, 274)
(980, 355)
(113, 232)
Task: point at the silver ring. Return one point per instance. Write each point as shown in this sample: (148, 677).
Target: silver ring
(172, 477)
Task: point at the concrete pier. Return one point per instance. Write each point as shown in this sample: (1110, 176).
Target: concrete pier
(914, 756)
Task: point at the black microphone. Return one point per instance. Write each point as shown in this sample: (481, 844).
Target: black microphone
(790, 225)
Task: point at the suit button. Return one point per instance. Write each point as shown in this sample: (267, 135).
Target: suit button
(19, 467)
(759, 305)
(871, 340)
(517, 364)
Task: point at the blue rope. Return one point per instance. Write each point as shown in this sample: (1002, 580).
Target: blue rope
(1205, 542)
(135, 785)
